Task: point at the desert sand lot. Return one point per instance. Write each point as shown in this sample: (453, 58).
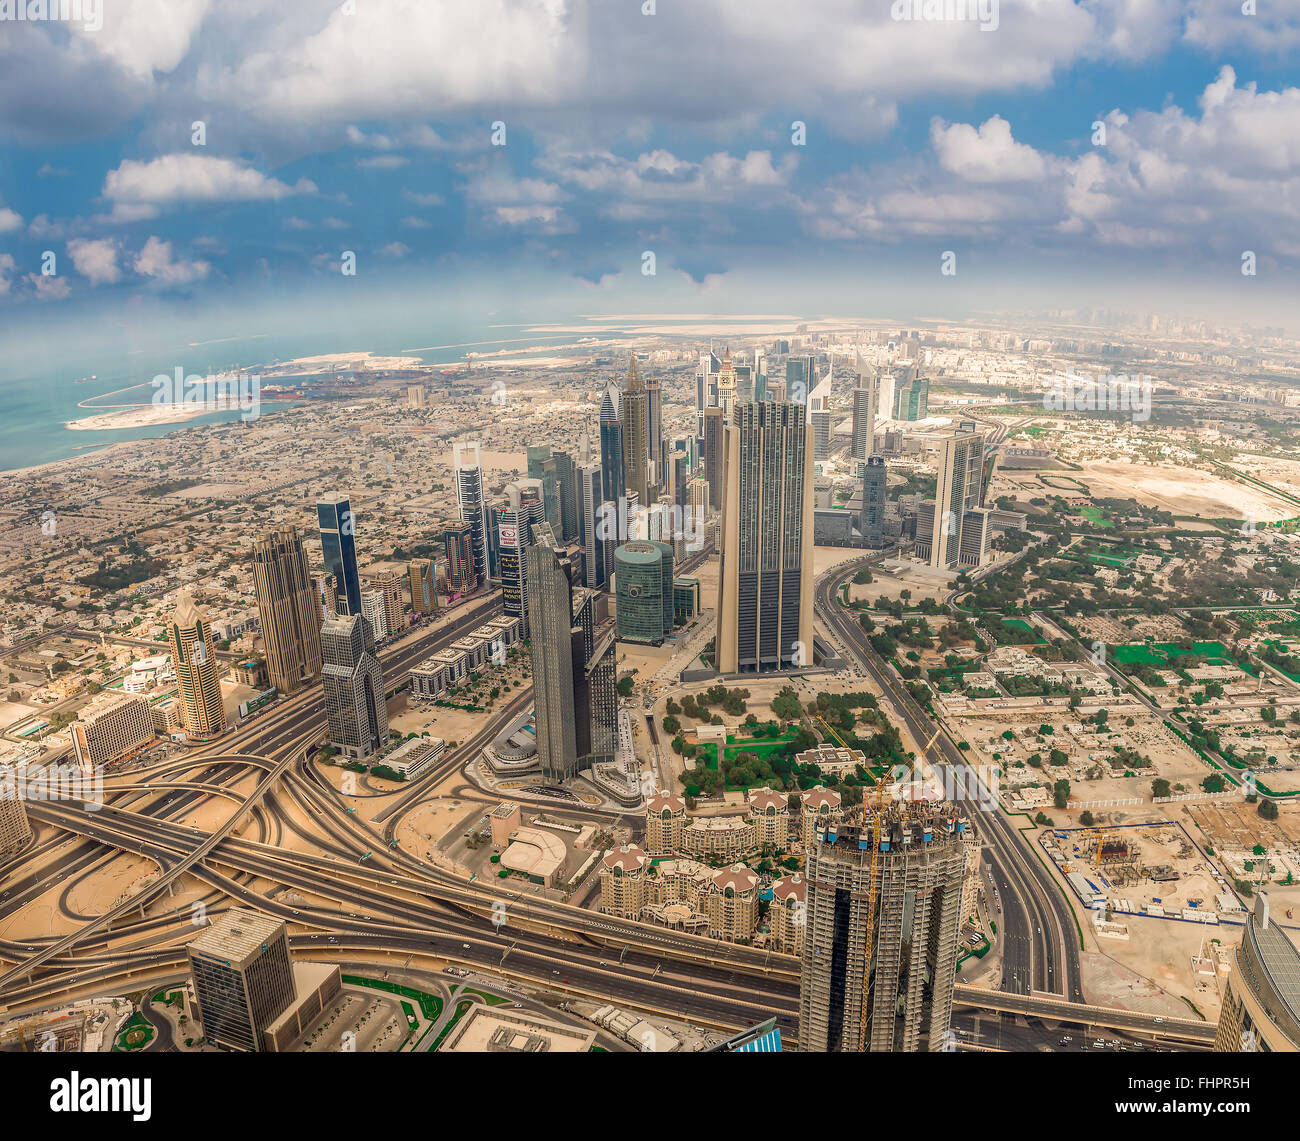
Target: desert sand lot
(1283, 474)
(1183, 491)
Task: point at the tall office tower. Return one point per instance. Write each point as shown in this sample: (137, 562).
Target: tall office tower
(415, 396)
(194, 659)
(514, 530)
(775, 391)
(339, 549)
(15, 831)
(819, 414)
(957, 491)
(611, 444)
(243, 977)
(287, 610)
(765, 593)
(458, 542)
(639, 583)
(372, 610)
(574, 671)
(700, 495)
(882, 916)
(1261, 1007)
(470, 502)
(566, 478)
(726, 383)
(744, 384)
(677, 470)
(654, 411)
(389, 585)
(597, 543)
(542, 467)
(667, 576)
(326, 591)
(714, 454)
(866, 396)
(706, 388)
(800, 378)
(912, 398)
(871, 523)
(636, 433)
(354, 687)
(760, 376)
(424, 591)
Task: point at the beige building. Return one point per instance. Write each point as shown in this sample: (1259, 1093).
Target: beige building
(505, 818)
(111, 727)
(817, 808)
(665, 818)
(1261, 1009)
(287, 609)
(195, 659)
(769, 813)
(833, 760)
(717, 839)
(536, 854)
(786, 914)
(624, 885)
(14, 829)
(682, 894)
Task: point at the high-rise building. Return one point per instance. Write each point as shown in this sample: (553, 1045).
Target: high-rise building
(243, 977)
(597, 543)
(714, 454)
(542, 467)
(372, 610)
(15, 831)
(353, 684)
(470, 502)
(912, 398)
(458, 542)
(875, 483)
(1261, 1006)
(765, 593)
(800, 378)
(636, 433)
(415, 396)
(194, 658)
(611, 445)
(325, 590)
(726, 382)
(654, 408)
(881, 930)
(957, 491)
(339, 549)
(866, 396)
(706, 390)
(820, 416)
(112, 726)
(389, 585)
(514, 530)
(424, 591)
(574, 669)
(287, 609)
(566, 481)
(639, 589)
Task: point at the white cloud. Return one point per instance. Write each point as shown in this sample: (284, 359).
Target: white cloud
(145, 36)
(95, 259)
(383, 162)
(413, 223)
(394, 250)
(156, 261)
(52, 288)
(189, 178)
(986, 154)
(662, 176)
(424, 199)
(9, 220)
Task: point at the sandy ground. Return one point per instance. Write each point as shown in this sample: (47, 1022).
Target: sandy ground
(1183, 491)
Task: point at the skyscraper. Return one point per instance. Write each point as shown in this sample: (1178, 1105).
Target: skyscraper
(566, 480)
(471, 503)
(765, 594)
(424, 591)
(287, 610)
(353, 685)
(706, 391)
(541, 467)
(194, 659)
(655, 425)
(458, 542)
(866, 401)
(1261, 1007)
(880, 936)
(957, 491)
(243, 977)
(636, 433)
(820, 415)
(15, 831)
(639, 587)
(714, 454)
(339, 549)
(597, 544)
(726, 382)
(514, 530)
(800, 378)
(875, 483)
(574, 668)
(611, 445)
(912, 398)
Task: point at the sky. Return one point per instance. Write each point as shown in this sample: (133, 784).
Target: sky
(213, 161)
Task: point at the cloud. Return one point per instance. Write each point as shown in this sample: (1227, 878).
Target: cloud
(9, 220)
(155, 260)
(192, 178)
(52, 288)
(662, 176)
(394, 250)
(424, 199)
(6, 268)
(383, 162)
(986, 154)
(95, 259)
(413, 223)
(145, 36)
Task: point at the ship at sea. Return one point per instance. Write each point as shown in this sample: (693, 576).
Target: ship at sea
(86, 379)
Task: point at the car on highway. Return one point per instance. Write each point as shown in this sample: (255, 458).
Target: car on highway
(465, 945)
(1064, 1041)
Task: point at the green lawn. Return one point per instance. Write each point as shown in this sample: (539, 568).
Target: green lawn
(430, 1004)
(1157, 654)
(1096, 517)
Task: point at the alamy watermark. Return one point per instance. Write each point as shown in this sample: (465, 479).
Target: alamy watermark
(1075, 392)
(982, 12)
(36, 782)
(88, 13)
(224, 391)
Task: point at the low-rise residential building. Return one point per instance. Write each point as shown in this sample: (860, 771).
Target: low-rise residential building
(665, 818)
(817, 807)
(717, 838)
(769, 813)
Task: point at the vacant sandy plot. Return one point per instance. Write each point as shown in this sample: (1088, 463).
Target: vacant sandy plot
(1183, 491)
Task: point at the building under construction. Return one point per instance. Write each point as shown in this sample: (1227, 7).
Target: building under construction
(883, 912)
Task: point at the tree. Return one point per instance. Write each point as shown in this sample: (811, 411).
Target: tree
(671, 725)
(1058, 757)
(1267, 809)
(1061, 793)
(1213, 783)
(1086, 818)
(1160, 787)
(625, 686)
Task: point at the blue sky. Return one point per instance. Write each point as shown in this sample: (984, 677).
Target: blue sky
(368, 127)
